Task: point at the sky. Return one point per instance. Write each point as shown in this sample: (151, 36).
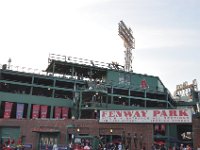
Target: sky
(166, 32)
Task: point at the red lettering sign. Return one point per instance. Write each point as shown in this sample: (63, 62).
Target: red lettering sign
(183, 113)
(146, 116)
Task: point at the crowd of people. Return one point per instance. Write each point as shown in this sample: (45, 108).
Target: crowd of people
(174, 147)
(11, 144)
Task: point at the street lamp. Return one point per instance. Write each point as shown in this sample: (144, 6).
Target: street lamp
(73, 118)
(78, 130)
(123, 138)
(111, 131)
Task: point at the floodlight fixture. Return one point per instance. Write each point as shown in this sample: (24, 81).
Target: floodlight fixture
(129, 43)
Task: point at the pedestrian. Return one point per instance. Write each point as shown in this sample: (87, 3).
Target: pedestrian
(120, 146)
(181, 147)
(188, 147)
(55, 147)
(162, 147)
(86, 147)
(198, 147)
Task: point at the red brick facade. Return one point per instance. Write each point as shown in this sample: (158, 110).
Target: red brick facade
(92, 127)
(196, 132)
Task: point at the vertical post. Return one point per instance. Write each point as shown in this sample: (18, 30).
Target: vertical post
(112, 95)
(111, 131)
(53, 68)
(129, 94)
(123, 139)
(51, 112)
(141, 141)
(145, 96)
(167, 98)
(168, 130)
(80, 104)
(31, 92)
(129, 141)
(135, 139)
(54, 84)
(29, 111)
(73, 131)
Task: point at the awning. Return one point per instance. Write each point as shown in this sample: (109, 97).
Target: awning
(46, 129)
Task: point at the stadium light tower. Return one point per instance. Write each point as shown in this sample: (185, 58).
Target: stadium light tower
(129, 44)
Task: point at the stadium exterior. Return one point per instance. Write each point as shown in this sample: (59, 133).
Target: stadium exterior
(76, 96)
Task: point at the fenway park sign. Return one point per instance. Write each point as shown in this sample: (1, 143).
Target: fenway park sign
(146, 116)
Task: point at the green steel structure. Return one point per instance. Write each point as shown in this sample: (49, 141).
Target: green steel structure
(84, 87)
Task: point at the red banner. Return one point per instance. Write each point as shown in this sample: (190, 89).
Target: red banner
(57, 112)
(43, 113)
(35, 111)
(8, 109)
(65, 112)
(144, 84)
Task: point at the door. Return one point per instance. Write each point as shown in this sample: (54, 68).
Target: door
(47, 140)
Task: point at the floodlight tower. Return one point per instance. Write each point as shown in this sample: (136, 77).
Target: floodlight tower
(129, 44)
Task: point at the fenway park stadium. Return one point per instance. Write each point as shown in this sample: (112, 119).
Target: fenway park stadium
(77, 101)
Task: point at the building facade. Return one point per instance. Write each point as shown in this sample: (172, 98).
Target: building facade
(68, 98)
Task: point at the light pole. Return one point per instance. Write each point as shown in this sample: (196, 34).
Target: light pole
(78, 130)
(123, 138)
(73, 132)
(111, 131)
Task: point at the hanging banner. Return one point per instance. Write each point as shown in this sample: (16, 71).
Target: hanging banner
(35, 111)
(65, 112)
(20, 110)
(8, 109)
(146, 116)
(57, 112)
(144, 84)
(43, 113)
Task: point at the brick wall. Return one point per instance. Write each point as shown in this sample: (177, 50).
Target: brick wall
(92, 127)
(196, 132)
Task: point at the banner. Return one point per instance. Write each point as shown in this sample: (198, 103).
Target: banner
(43, 112)
(65, 112)
(144, 84)
(20, 110)
(57, 112)
(146, 116)
(35, 111)
(8, 109)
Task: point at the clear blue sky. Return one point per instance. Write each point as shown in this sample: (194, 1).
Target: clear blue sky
(167, 34)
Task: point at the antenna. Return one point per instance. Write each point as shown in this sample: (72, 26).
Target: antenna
(129, 43)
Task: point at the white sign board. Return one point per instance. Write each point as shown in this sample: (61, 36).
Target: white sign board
(146, 116)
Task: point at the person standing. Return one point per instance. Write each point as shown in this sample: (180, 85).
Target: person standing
(120, 146)
(55, 147)
(198, 147)
(163, 147)
(181, 147)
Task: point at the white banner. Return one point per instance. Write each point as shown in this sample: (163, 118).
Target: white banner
(146, 116)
